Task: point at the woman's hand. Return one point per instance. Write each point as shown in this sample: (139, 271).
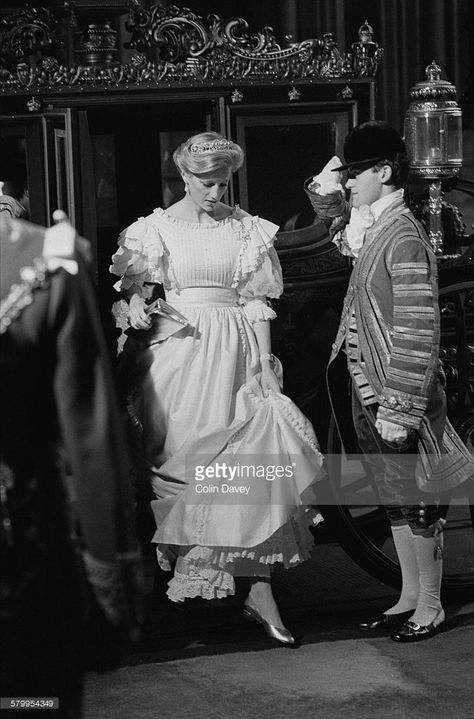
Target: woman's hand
(269, 380)
(139, 319)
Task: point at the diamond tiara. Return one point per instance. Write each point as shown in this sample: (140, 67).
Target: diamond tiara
(202, 147)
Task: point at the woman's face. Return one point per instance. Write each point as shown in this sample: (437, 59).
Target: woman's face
(206, 190)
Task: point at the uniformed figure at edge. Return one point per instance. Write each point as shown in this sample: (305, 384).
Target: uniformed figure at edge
(389, 331)
(59, 416)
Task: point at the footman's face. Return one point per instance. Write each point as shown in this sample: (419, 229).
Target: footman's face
(365, 186)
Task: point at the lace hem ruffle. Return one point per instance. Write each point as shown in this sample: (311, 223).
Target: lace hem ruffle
(208, 572)
(210, 584)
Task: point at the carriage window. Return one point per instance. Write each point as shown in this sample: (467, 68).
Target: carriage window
(282, 149)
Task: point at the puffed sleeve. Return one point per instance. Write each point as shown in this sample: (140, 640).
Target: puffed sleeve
(140, 256)
(258, 273)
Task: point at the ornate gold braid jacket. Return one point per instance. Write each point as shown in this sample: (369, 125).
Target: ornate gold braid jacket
(394, 290)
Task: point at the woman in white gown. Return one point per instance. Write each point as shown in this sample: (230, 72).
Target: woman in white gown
(206, 395)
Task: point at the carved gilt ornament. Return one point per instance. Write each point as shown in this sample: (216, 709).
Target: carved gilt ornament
(43, 50)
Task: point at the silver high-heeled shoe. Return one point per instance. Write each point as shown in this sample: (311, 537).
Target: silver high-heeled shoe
(280, 634)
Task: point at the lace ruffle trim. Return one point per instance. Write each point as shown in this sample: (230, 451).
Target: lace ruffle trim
(253, 252)
(214, 225)
(258, 311)
(152, 247)
(211, 584)
(208, 571)
(149, 258)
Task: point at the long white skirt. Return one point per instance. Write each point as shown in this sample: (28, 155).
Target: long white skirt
(197, 401)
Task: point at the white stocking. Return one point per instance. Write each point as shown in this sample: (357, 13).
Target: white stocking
(429, 556)
(403, 540)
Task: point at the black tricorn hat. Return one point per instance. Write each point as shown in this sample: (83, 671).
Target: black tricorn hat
(370, 143)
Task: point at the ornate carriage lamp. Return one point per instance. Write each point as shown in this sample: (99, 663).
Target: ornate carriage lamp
(433, 137)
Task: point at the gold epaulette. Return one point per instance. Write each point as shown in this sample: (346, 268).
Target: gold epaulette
(21, 294)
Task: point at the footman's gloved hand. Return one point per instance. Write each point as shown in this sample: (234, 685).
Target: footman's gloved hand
(391, 432)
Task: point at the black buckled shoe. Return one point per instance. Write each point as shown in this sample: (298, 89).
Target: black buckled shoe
(412, 632)
(385, 620)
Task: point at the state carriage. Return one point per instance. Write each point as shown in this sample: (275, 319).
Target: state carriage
(94, 117)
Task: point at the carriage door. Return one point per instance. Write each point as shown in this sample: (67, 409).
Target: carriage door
(42, 150)
(69, 173)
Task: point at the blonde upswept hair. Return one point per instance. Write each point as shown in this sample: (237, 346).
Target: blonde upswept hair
(207, 159)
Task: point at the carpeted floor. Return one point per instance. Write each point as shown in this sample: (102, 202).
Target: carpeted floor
(365, 678)
(207, 663)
